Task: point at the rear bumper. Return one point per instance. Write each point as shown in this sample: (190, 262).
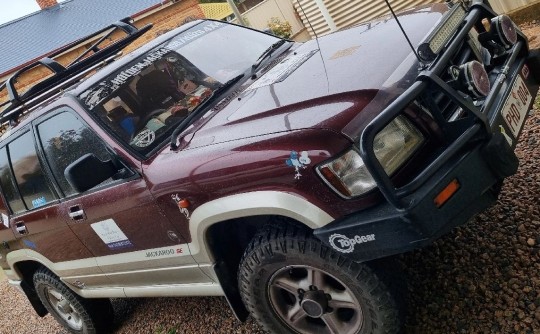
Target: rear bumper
(384, 230)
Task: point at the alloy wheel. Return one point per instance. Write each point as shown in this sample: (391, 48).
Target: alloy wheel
(310, 300)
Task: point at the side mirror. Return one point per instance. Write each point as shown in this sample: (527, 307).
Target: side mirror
(88, 171)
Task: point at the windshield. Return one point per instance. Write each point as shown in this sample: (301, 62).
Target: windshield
(142, 102)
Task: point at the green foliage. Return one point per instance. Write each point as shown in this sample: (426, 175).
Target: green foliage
(280, 28)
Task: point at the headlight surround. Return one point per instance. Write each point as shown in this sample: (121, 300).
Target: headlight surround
(349, 176)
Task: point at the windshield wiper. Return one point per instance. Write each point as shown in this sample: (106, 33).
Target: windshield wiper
(267, 53)
(197, 111)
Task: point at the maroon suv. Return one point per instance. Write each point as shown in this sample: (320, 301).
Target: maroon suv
(219, 160)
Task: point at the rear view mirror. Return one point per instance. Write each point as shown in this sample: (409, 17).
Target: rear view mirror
(88, 171)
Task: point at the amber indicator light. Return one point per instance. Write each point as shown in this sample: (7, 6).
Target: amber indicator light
(334, 181)
(183, 204)
(447, 193)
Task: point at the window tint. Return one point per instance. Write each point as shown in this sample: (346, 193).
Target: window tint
(65, 139)
(33, 185)
(9, 188)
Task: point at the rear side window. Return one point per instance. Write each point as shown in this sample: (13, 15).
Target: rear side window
(64, 139)
(33, 186)
(9, 189)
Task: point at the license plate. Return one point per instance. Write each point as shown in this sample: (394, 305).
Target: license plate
(516, 106)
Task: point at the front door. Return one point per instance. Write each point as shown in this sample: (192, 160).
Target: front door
(118, 220)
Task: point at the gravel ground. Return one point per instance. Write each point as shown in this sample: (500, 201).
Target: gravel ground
(483, 277)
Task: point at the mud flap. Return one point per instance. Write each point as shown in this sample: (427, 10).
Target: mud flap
(229, 284)
(34, 299)
(500, 157)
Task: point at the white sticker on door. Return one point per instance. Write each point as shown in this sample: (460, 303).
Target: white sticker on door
(111, 234)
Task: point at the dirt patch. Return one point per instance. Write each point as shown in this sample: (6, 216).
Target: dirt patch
(528, 19)
(532, 30)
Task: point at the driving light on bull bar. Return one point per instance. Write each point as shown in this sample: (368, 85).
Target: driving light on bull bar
(437, 39)
(506, 30)
(502, 31)
(349, 176)
(473, 78)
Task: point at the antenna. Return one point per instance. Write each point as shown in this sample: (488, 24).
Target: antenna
(403, 31)
(308, 21)
(316, 40)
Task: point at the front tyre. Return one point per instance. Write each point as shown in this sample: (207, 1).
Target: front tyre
(291, 283)
(76, 314)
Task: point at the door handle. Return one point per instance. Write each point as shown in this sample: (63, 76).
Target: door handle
(21, 228)
(76, 213)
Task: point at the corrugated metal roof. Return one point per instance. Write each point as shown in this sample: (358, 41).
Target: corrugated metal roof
(218, 10)
(34, 35)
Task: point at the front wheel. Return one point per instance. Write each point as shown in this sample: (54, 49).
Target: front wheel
(76, 314)
(291, 283)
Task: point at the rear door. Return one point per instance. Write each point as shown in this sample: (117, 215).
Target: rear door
(7, 237)
(33, 202)
(118, 221)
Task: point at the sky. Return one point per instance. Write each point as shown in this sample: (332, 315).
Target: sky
(13, 9)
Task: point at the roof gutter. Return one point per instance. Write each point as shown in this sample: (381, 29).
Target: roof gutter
(151, 10)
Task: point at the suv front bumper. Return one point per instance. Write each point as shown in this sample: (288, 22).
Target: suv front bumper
(405, 222)
(388, 229)
(384, 230)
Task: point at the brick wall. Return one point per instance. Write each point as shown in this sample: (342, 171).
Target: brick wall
(46, 3)
(167, 19)
(164, 19)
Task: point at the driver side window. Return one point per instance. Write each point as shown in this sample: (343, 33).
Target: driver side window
(64, 139)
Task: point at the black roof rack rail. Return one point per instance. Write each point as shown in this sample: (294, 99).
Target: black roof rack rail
(64, 76)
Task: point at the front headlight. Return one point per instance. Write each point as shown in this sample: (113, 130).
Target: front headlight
(348, 175)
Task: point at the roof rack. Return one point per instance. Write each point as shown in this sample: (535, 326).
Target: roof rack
(64, 76)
